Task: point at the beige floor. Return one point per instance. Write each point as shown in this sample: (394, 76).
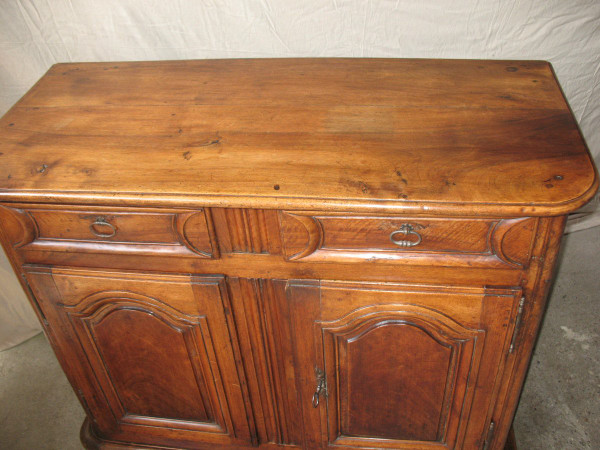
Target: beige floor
(560, 406)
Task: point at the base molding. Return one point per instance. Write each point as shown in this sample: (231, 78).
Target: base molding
(91, 441)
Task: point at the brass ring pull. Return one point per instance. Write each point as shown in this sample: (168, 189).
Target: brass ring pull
(406, 229)
(101, 222)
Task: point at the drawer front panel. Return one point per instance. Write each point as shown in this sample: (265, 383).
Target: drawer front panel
(104, 226)
(118, 230)
(436, 235)
(441, 241)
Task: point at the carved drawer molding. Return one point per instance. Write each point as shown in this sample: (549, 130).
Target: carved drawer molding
(164, 232)
(318, 237)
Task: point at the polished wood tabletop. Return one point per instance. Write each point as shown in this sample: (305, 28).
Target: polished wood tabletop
(415, 136)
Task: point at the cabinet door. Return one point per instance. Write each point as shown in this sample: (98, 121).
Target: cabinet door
(151, 356)
(397, 366)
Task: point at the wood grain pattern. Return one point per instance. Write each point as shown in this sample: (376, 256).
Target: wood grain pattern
(408, 136)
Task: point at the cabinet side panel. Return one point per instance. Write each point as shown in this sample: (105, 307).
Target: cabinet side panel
(536, 286)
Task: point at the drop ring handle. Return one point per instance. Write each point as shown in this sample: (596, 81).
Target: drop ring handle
(321, 388)
(101, 222)
(406, 229)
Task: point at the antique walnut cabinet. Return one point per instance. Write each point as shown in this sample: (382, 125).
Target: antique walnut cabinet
(292, 252)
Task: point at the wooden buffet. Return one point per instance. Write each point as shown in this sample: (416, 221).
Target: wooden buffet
(292, 252)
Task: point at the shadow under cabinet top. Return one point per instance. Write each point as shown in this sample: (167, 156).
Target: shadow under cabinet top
(455, 137)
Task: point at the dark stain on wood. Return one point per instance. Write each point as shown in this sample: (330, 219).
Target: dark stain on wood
(449, 183)
(361, 185)
(402, 179)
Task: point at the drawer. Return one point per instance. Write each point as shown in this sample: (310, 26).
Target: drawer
(490, 242)
(115, 230)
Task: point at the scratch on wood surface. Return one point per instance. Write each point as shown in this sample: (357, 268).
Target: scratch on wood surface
(204, 143)
(213, 142)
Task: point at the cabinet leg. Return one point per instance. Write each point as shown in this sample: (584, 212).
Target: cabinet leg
(511, 442)
(92, 442)
(87, 436)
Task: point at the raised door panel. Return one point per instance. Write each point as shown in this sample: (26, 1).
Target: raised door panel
(398, 366)
(158, 350)
(400, 374)
(379, 381)
(177, 389)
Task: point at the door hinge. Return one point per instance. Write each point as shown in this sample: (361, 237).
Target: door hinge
(489, 436)
(517, 325)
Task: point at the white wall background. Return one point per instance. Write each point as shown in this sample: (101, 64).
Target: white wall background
(34, 34)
